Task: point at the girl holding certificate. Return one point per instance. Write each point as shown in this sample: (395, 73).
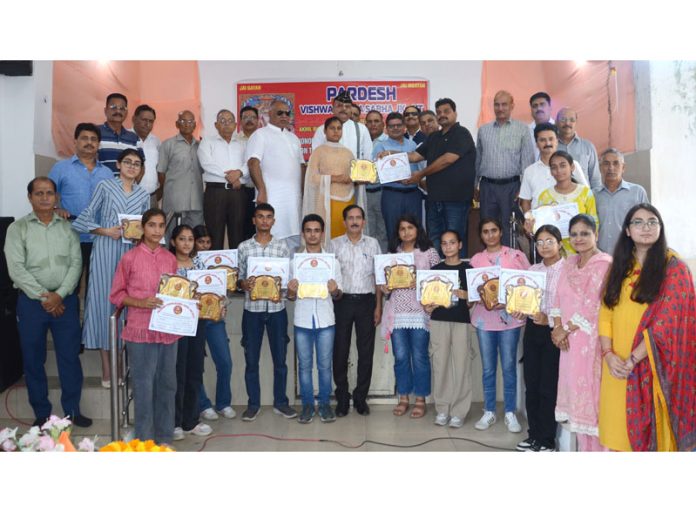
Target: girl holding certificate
(407, 323)
(497, 331)
(190, 349)
(151, 354)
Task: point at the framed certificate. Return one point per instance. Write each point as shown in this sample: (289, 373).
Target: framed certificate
(313, 272)
(175, 316)
(273, 267)
(393, 168)
(557, 215)
(521, 290)
(209, 281)
(477, 277)
(436, 286)
(363, 170)
(132, 228)
(382, 261)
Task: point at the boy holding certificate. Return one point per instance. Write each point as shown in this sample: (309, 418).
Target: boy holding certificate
(315, 323)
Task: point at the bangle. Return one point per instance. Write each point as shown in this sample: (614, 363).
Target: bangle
(607, 351)
(634, 360)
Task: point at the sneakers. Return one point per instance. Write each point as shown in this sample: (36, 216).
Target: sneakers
(486, 421)
(228, 413)
(307, 414)
(441, 419)
(456, 422)
(201, 429)
(250, 414)
(285, 411)
(526, 445)
(178, 434)
(326, 413)
(209, 414)
(538, 447)
(512, 424)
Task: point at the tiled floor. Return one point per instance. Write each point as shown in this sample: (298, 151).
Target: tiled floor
(270, 432)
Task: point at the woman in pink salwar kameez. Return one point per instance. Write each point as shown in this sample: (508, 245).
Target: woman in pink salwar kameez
(575, 315)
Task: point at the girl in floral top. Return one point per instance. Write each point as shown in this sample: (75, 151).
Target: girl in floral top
(407, 323)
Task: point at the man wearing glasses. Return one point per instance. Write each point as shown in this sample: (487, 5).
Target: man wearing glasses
(180, 174)
(277, 167)
(411, 119)
(114, 137)
(582, 150)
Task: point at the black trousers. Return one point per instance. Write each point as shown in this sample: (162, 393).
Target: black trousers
(189, 378)
(358, 310)
(86, 252)
(249, 228)
(225, 208)
(540, 364)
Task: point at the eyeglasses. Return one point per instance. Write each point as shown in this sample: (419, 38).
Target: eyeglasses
(283, 113)
(117, 107)
(395, 125)
(131, 163)
(641, 224)
(187, 122)
(226, 122)
(567, 119)
(546, 243)
(580, 234)
(410, 114)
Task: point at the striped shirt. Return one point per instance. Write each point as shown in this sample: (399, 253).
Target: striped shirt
(276, 248)
(112, 144)
(357, 262)
(503, 151)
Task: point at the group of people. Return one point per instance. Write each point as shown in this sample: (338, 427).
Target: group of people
(611, 354)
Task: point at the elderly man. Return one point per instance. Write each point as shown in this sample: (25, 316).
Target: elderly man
(143, 123)
(276, 165)
(614, 198)
(375, 126)
(114, 136)
(44, 263)
(540, 105)
(582, 150)
(503, 150)
(180, 174)
(224, 202)
(411, 120)
(428, 122)
(249, 122)
(355, 135)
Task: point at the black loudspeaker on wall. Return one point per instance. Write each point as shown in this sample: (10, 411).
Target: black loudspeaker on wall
(10, 350)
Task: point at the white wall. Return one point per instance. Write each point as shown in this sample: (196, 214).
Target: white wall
(16, 143)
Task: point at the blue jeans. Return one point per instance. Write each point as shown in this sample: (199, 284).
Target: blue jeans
(442, 216)
(395, 204)
(305, 342)
(219, 346)
(490, 342)
(33, 323)
(276, 325)
(411, 361)
(153, 370)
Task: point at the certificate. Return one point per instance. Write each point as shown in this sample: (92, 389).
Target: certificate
(436, 286)
(132, 228)
(476, 277)
(557, 215)
(209, 281)
(521, 290)
(175, 316)
(273, 267)
(313, 272)
(214, 258)
(393, 168)
(382, 261)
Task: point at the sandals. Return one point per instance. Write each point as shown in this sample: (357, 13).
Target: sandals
(402, 407)
(419, 408)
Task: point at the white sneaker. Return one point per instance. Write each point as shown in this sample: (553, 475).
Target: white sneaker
(178, 434)
(200, 430)
(209, 414)
(512, 424)
(456, 422)
(486, 420)
(441, 419)
(228, 413)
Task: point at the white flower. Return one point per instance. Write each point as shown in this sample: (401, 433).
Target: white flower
(86, 445)
(8, 433)
(46, 444)
(29, 441)
(8, 445)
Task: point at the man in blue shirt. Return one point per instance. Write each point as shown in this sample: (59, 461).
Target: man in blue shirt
(114, 136)
(76, 178)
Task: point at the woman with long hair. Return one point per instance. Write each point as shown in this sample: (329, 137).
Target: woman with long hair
(647, 327)
(575, 314)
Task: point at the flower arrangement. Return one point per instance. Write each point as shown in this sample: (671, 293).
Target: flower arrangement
(52, 436)
(136, 445)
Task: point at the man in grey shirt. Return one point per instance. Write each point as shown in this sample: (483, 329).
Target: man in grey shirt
(180, 174)
(582, 150)
(614, 198)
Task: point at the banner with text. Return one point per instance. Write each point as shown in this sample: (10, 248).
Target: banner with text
(310, 102)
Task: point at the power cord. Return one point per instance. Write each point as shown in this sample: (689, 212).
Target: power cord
(7, 405)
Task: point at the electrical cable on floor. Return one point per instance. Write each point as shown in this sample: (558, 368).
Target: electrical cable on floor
(7, 405)
(357, 446)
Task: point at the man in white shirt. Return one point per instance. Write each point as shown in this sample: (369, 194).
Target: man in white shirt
(277, 168)
(224, 170)
(143, 123)
(355, 135)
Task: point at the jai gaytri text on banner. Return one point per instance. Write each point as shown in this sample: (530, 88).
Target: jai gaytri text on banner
(310, 102)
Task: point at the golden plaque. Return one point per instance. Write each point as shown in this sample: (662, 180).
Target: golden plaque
(266, 288)
(436, 292)
(177, 286)
(489, 293)
(522, 298)
(211, 306)
(363, 170)
(312, 291)
(132, 229)
(400, 276)
(232, 276)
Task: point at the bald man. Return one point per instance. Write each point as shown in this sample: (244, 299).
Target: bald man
(504, 149)
(582, 150)
(180, 174)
